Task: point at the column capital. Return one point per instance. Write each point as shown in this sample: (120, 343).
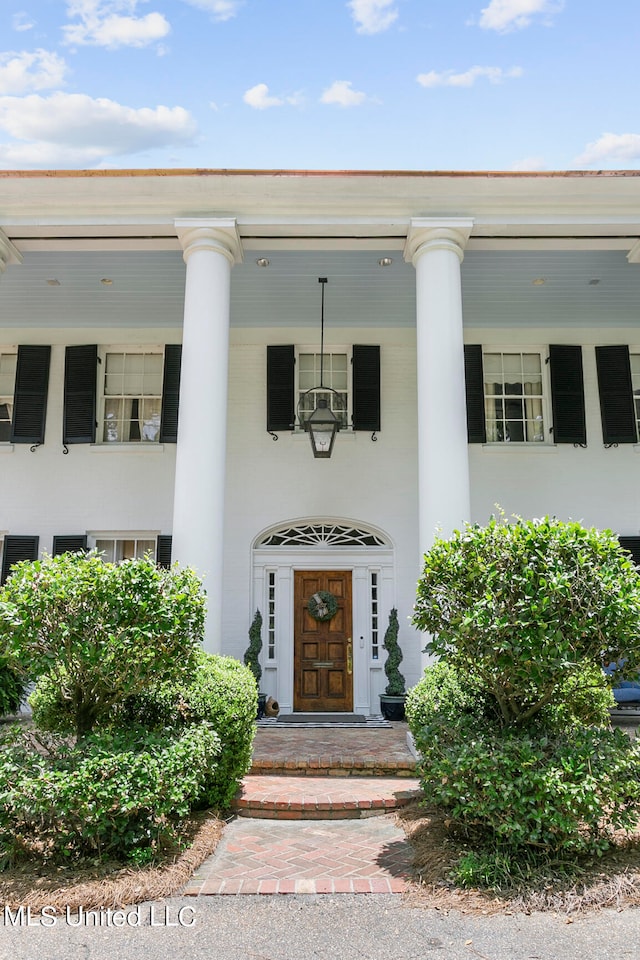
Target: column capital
(216, 234)
(8, 252)
(634, 254)
(437, 233)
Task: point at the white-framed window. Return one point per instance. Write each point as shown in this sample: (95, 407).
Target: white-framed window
(116, 548)
(271, 615)
(375, 615)
(514, 396)
(334, 372)
(131, 395)
(635, 386)
(8, 361)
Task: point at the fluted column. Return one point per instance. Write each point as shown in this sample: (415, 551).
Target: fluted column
(436, 249)
(211, 247)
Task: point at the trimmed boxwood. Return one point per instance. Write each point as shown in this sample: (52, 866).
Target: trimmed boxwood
(111, 796)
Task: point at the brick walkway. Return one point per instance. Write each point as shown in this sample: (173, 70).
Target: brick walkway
(285, 841)
(302, 857)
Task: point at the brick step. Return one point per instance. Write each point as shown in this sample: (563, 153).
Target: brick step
(334, 767)
(322, 798)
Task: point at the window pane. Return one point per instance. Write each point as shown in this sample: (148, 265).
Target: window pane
(519, 417)
(106, 548)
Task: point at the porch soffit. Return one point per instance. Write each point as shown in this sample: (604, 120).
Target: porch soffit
(147, 289)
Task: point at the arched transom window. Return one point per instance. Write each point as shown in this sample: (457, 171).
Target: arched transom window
(322, 534)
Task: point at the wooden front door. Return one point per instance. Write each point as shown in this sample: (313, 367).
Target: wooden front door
(323, 650)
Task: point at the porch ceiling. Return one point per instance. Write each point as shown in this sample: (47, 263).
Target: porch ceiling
(147, 288)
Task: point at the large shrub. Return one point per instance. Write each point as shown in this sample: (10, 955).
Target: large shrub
(526, 605)
(116, 796)
(522, 791)
(101, 631)
(220, 691)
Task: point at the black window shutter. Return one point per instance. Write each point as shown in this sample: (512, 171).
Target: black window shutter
(170, 393)
(474, 383)
(30, 399)
(280, 388)
(163, 550)
(80, 375)
(69, 543)
(366, 387)
(16, 549)
(632, 544)
(567, 394)
(616, 395)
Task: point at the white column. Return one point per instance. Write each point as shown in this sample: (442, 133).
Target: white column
(210, 248)
(436, 249)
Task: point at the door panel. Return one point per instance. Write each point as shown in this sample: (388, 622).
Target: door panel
(323, 679)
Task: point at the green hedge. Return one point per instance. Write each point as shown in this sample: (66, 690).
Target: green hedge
(556, 793)
(222, 692)
(115, 796)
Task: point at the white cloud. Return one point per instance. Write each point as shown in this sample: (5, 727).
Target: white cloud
(258, 97)
(507, 15)
(22, 21)
(340, 92)
(76, 129)
(112, 24)
(467, 79)
(219, 9)
(373, 16)
(37, 70)
(611, 149)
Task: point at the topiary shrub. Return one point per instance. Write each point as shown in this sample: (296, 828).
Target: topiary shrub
(252, 653)
(395, 680)
(117, 795)
(101, 631)
(221, 692)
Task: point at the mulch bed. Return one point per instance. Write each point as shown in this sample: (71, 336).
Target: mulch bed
(611, 881)
(110, 885)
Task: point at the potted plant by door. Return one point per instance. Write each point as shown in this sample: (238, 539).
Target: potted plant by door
(392, 700)
(252, 658)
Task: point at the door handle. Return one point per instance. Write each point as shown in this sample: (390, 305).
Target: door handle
(349, 657)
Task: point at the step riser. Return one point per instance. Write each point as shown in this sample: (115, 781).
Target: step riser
(259, 813)
(264, 768)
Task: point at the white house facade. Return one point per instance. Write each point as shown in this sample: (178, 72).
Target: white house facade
(163, 336)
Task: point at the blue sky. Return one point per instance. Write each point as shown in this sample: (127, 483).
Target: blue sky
(320, 84)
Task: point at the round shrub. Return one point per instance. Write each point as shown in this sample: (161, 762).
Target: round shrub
(441, 693)
(101, 631)
(221, 691)
(552, 793)
(525, 605)
(114, 795)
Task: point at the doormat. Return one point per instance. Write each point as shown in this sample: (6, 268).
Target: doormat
(355, 721)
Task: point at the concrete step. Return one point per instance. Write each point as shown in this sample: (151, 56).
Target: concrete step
(322, 798)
